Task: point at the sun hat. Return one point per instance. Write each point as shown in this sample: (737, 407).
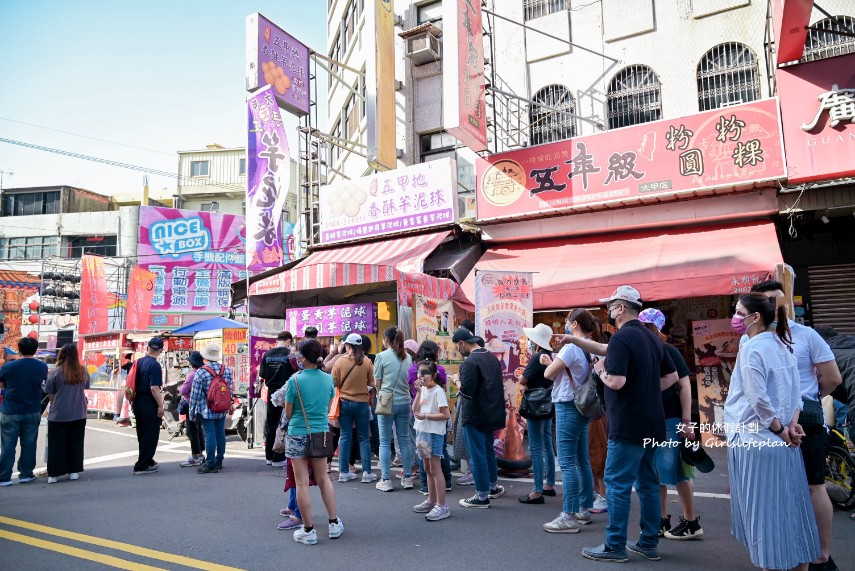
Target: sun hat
(540, 334)
(625, 293)
(195, 359)
(212, 352)
(654, 316)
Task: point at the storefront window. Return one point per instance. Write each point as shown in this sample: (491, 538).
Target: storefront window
(547, 125)
(634, 97)
(538, 8)
(727, 75)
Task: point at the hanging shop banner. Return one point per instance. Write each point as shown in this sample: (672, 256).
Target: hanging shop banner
(410, 198)
(791, 19)
(724, 149)
(716, 346)
(93, 297)
(140, 296)
(274, 58)
(332, 320)
(463, 104)
(268, 181)
(195, 255)
(236, 357)
(818, 110)
(380, 107)
(258, 346)
(504, 304)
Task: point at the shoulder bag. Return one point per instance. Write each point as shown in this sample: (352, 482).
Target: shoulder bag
(335, 407)
(384, 400)
(585, 396)
(536, 404)
(320, 444)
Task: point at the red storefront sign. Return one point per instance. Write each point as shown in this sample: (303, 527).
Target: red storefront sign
(725, 148)
(818, 110)
(464, 105)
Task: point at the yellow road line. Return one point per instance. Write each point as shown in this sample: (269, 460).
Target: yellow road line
(76, 552)
(121, 546)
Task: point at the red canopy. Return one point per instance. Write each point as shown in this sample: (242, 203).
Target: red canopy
(662, 264)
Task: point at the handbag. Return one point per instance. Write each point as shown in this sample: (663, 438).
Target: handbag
(585, 396)
(319, 444)
(536, 404)
(279, 441)
(384, 401)
(335, 406)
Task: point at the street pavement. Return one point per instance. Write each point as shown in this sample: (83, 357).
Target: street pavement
(178, 519)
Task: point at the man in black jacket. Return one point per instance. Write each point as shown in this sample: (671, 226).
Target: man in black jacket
(482, 402)
(275, 370)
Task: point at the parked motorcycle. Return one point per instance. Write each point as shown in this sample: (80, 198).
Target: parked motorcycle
(174, 423)
(238, 419)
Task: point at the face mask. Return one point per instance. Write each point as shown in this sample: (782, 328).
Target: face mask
(300, 365)
(567, 329)
(612, 321)
(737, 322)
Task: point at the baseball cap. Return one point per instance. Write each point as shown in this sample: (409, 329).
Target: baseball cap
(625, 293)
(694, 454)
(354, 339)
(463, 334)
(654, 316)
(412, 345)
(155, 343)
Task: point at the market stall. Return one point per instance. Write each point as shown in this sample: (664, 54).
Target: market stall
(231, 336)
(102, 356)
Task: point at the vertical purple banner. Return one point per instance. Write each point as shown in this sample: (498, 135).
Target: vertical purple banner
(268, 181)
(332, 320)
(258, 346)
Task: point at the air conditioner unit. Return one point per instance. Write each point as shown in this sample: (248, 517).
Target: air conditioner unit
(423, 48)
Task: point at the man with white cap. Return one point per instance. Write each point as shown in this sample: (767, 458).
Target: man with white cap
(637, 369)
(213, 423)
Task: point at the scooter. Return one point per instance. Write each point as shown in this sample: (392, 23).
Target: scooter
(237, 420)
(173, 422)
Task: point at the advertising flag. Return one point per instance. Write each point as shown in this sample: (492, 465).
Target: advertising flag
(140, 297)
(93, 297)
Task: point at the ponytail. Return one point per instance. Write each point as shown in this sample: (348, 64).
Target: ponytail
(590, 324)
(782, 329)
(395, 337)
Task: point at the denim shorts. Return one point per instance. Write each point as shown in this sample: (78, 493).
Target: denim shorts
(437, 445)
(427, 441)
(295, 446)
(669, 464)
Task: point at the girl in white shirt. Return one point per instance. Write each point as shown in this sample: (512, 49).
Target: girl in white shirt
(430, 409)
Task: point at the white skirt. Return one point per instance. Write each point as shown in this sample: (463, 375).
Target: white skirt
(771, 510)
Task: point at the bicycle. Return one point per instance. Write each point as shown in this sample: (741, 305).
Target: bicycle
(840, 472)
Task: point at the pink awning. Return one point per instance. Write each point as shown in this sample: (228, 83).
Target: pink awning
(661, 264)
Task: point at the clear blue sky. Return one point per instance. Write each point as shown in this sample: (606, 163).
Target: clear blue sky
(166, 75)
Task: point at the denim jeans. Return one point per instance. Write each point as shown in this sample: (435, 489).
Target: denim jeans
(628, 464)
(573, 458)
(400, 419)
(482, 458)
(215, 440)
(542, 452)
(12, 428)
(292, 502)
(351, 412)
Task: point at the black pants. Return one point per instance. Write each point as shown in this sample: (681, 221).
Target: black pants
(148, 430)
(375, 436)
(196, 436)
(65, 447)
(274, 415)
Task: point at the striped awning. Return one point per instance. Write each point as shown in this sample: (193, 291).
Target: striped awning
(400, 259)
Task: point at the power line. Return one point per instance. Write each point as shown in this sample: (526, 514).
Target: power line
(138, 168)
(86, 136)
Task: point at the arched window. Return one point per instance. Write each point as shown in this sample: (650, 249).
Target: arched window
(547, 125)
(823, 43)
(634, 97)
(727, 75)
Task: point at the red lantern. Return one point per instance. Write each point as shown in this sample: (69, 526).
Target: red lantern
(33, 334)
(33, 318)
(34, 305)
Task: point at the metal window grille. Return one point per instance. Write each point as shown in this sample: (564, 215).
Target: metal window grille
(538, 8)
(546, 125)
(727, 75)
(824, 43)
(634, 97)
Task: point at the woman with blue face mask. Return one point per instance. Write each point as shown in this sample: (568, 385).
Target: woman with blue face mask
(771, 510)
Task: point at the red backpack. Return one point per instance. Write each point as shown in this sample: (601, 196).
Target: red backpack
(131, 383)
(219, 394)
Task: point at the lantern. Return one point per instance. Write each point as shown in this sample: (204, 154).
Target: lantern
(33, 334)
(34, 305)
(33, 318)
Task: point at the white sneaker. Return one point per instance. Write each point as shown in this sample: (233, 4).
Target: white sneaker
(600, 505)
(467, 480)
(336, 529)
(281, 464)
(424, 507)
(26, 480)
(346, 477)
(438, 512)
(52, 480)
(583, 517)
(385, 486)
(368, 477)
(562, 524)
(73, 476)
(268, 462)
(407, 483)
(305, 537)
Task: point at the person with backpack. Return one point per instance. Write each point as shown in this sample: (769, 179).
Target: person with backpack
(210, 400)
(143, 389)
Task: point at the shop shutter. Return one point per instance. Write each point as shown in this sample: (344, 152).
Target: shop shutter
(832, 302)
